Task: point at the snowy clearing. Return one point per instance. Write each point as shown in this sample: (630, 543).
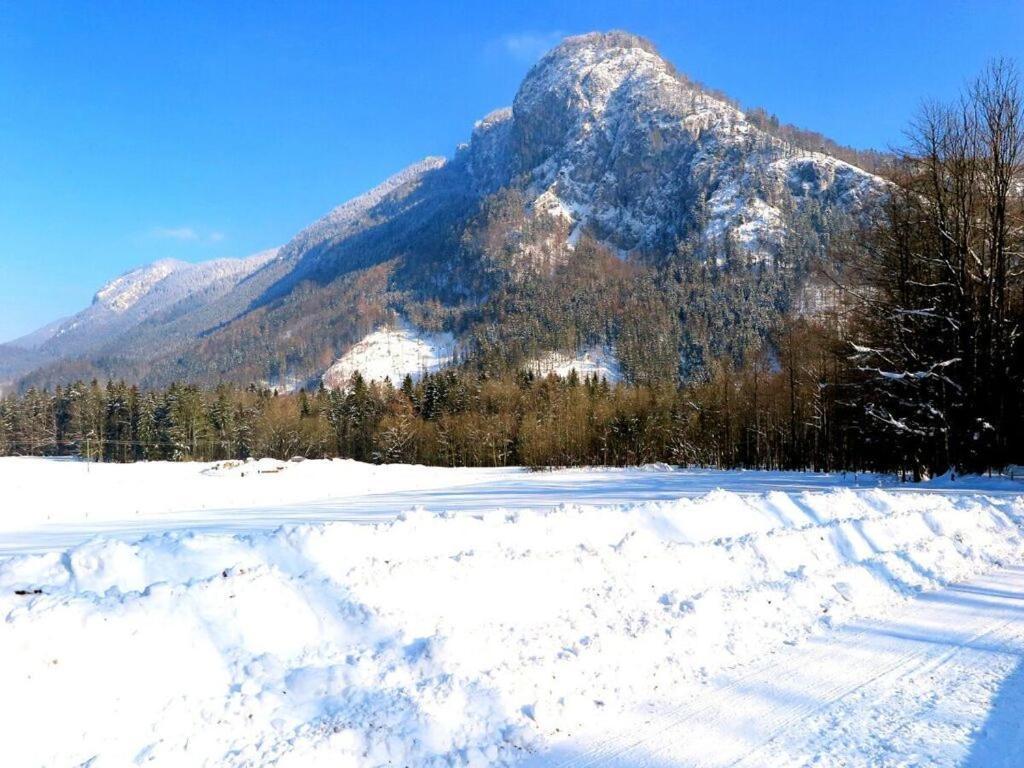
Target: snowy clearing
(59, 503)
(595, 361)
(393, 353)
(633, 617)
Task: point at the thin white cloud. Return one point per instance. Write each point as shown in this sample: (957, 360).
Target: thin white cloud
(187, 235)
(175, 233)
(529, 46)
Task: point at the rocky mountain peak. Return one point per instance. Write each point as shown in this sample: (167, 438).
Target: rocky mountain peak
(613, 138)
(579, 54)
(574, 86)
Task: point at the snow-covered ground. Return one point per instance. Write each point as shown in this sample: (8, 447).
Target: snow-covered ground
(620, 617)
(41, 497)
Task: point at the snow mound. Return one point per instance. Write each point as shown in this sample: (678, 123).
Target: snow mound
(595, 361)
(440, 640)
(393, 353)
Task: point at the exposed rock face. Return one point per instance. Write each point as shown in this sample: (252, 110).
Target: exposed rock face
(626, 145)
(123, 293)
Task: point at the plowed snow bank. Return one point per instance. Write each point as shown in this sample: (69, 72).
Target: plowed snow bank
(441, 640)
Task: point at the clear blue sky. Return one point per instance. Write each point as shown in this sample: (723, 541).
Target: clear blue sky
(132, 131)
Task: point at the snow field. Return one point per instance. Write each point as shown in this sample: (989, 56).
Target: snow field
(46, 491)
(393, 353)
(448, 640)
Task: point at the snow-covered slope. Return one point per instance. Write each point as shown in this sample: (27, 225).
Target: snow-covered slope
(143, 294)
(124, 292)
(393, 353)
(356, 214)
(591, 632)
(38, 337)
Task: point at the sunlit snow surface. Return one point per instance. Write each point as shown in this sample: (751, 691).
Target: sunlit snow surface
(586, 617)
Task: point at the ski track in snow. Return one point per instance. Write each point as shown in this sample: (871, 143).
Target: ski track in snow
(645, 617)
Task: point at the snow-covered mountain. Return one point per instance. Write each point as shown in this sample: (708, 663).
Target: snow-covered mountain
(142, 294)
(604, 138)
(148, 294)
(613, 138)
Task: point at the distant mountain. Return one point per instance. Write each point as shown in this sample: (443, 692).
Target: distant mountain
(616, 205)
(149, 301)
(146, 293)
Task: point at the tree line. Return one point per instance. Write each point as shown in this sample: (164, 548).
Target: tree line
(935, 290)
(755, 417)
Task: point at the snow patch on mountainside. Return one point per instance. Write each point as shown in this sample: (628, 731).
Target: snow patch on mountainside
(595, 361)
(393, 353)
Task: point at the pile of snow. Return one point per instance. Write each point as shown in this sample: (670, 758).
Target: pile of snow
(595, 361)
(393, 353)
(439, 640)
